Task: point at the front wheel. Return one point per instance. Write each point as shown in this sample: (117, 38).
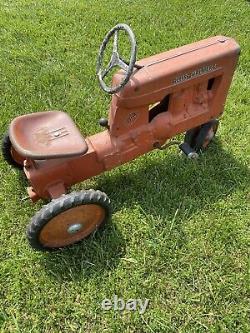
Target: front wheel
(68, 219)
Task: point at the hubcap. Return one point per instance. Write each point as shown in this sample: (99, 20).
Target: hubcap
(74, 228)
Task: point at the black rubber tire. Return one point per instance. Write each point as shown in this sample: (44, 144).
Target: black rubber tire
(57, 206)
(202, 134)
(6, 152)
(191, 135)
(196, 136)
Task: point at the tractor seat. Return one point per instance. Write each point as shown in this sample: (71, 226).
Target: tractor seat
(46, 135)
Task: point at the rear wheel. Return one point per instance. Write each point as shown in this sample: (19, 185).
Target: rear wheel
(9, 153)
(200, 137)
(68, 219)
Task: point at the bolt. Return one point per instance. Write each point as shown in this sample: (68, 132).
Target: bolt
(74, 228)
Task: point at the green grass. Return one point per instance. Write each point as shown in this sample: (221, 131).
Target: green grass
(179, 232)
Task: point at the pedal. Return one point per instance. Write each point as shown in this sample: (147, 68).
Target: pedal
(188, 151)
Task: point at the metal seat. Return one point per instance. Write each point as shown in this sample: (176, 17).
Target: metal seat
(46, 135)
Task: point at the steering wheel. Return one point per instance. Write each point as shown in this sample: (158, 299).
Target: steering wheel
(115, 59)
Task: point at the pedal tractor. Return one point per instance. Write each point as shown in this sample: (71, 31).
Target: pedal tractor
(154, 99)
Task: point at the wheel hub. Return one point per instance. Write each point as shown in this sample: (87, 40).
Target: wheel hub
(74, 228)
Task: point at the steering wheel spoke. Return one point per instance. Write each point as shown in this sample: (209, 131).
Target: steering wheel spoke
(114, 61)
(122, 64)
(106, 70)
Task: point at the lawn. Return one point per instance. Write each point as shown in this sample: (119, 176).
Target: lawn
(179, 230)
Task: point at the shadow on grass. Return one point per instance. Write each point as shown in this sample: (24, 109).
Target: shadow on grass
(172, 178)
(93, 256)
(159, 184)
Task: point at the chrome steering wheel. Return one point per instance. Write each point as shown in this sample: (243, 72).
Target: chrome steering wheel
(115, 59)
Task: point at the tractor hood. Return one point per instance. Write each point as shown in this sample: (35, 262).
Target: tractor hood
(166, 72)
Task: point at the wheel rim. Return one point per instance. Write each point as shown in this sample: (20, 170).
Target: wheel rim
(72, 225)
